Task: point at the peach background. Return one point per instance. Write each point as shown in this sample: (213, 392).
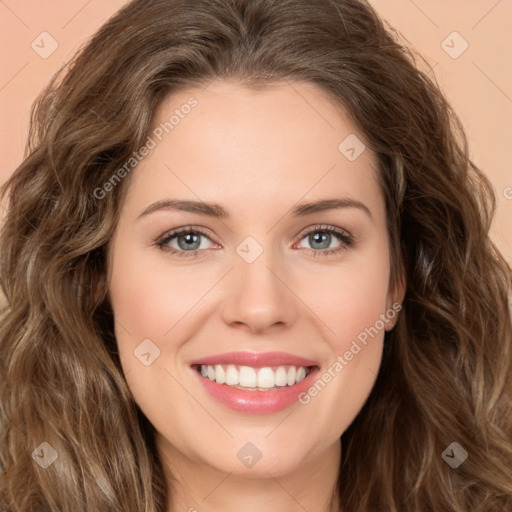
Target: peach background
(478, 83)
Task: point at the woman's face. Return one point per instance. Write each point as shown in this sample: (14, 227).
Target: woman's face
(282, 270)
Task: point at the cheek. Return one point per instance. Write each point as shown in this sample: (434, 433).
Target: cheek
(349, 298)
(152, 306)
(153, 301)
(149, 298)
(350, 304)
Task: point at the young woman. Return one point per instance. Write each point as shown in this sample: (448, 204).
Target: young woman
(247, 267)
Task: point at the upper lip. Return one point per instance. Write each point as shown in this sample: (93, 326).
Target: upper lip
(254, 359)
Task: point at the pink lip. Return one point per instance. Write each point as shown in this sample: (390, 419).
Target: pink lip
(256, 402)
(257, 360)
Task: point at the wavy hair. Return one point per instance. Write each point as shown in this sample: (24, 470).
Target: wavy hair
(446, 373)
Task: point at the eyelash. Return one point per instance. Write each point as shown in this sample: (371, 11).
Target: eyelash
(345, 239)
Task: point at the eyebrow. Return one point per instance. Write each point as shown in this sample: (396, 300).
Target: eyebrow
(217, 211)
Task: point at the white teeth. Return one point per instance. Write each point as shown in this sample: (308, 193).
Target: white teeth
(266, 378)
(249, 377)
(281, 376)
(220, 374)
(232, 377)
(292, 372)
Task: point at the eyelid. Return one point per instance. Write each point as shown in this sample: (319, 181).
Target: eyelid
(172, 233)
(344, 237)
(323, 227)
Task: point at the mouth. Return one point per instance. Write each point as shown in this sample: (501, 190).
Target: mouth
(249, 378)
(255, 383)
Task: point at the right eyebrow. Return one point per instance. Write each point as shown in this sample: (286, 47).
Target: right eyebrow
(203, 208)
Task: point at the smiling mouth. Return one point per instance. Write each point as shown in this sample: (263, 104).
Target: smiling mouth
(249, 378)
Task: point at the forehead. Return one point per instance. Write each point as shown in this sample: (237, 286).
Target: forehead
(279, 144)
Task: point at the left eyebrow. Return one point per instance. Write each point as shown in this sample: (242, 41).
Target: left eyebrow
(217, 211)
(304, 209)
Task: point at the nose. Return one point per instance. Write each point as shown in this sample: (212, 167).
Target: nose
(258, 297)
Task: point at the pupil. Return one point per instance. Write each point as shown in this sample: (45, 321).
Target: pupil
(322, 238)
(190, 239)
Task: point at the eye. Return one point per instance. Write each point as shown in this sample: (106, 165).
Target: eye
(321, 238)
(190, 241)
(184, 241)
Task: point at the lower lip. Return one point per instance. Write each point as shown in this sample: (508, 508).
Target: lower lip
(257, 402)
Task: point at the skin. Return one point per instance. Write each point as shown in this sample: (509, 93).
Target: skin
(257, 154)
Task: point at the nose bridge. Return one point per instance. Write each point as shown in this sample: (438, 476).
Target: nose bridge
(257, 295)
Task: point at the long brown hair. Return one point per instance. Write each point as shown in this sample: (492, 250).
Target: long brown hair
(446, 374)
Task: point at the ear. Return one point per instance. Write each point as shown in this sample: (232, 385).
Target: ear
(394, 301)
